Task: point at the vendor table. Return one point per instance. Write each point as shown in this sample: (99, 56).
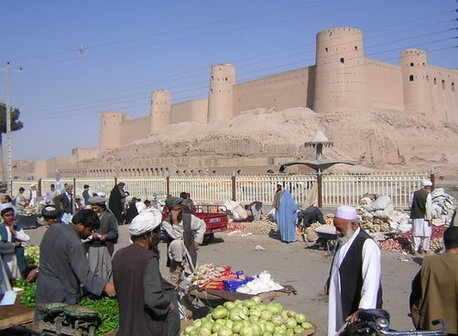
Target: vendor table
(27, 222)
(16, 314)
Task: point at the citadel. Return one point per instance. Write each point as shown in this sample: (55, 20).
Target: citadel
(342, 81)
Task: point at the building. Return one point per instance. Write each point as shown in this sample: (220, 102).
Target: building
(342, 79)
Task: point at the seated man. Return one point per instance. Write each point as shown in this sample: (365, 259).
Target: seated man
(185, 231)
(435, 288)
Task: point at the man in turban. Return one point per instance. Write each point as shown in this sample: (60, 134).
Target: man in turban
(354, 280)
(420, 213)
(147, 303)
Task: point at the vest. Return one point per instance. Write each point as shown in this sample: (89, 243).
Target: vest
(418, 209)
(351, 280)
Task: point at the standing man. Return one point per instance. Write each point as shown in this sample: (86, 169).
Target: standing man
(51, 194)
(420, 213)
(33, 199)
(64, 268)
(354, 281)
(101, 246)
(435, 288)
(86, 195)
(147, 304)
(117, 201)
(64, 201)
(277, 197)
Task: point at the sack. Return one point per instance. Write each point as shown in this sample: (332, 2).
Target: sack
(381, 203)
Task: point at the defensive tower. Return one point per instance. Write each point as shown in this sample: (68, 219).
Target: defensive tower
(110, 130)
(415, 81)
(161, 107)
(221, 93)
(340, 83)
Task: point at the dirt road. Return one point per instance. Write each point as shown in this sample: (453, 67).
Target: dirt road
(291, 264)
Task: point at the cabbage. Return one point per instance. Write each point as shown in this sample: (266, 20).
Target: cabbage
(237, 315)
(247, 331)
(307, 325)
(256, 300)
(269, 327)
(277, 320)
(275, 308)
(300, 318)
(197, 323)
(236, 327)
(216, 327)
(219, 313)
(249, 303)
(291, 324)
(290, 332)
(284, 315)
(255, 311)
(299, 330)
(229, 305)
(256, 329)
(229, 324)
(224, 332)
(205, 332)
(254, 319)
(266, 315)
(266, 333)
(206, 325)
(291, 313)
(278, 331)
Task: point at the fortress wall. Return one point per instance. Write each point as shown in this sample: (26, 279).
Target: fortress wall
(134, 129)
(279, 91)
(444, 91)
(192, 110)
(385, 88)
(85, 153)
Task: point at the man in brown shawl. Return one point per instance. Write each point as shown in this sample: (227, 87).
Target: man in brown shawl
(147, 304)
(435, 288)
(277, 197)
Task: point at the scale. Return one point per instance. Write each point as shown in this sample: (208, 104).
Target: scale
(67, 320)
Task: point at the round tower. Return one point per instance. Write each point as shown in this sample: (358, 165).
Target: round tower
(340, 82)
(417, 94)
(110, 130)
(161, 107)
(221, 93)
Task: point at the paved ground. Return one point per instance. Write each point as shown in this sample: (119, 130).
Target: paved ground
(306, 270)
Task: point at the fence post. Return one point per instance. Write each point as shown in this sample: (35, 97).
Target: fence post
(234, 190)
(74, 195)
(39, 192)
(167, 184)
(319, 181)
(11, 188)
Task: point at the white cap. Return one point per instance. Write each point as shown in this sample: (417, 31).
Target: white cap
(346, 212)
(426, 183)
(145, 222)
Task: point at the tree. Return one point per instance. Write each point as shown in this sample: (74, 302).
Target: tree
(16, 125)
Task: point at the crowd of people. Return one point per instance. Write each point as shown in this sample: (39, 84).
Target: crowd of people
(81, 257)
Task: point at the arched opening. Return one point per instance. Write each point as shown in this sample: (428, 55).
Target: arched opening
(342, 60)
(411, 78)
(411, 64)
(453, 87)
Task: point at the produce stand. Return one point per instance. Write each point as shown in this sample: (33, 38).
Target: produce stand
(14, 315)
(27, 222)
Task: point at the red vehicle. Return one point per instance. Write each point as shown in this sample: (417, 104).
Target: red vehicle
(215, 217)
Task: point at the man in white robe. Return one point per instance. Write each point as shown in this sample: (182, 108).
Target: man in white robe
(354, 281)
(420, 213)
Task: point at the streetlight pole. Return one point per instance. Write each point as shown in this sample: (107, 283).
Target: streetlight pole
(9, 143)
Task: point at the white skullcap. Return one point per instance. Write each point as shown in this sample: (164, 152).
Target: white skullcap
(426, 183)
(97, 200)
(145, 222)
(346, 212)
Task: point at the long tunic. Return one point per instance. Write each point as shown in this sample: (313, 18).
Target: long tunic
(435, 293)
(371, 274)
(420, 227)
(14, 262)
(64, 268)
(143, 305)
(286, 217)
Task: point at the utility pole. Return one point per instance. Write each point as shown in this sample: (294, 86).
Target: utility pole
(9, 144)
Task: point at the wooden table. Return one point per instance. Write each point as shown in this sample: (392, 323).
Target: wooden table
(16, 314)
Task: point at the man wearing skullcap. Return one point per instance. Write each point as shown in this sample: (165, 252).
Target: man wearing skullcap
(147, 303)
(420, 213)
(101, 244)
(186, 231)
(354, 280)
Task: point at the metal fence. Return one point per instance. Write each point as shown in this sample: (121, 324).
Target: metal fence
(337, 189)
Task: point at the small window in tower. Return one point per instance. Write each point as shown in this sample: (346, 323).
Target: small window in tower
(424, 64)
(356, 47)
(435, 81)
(342, 60)
(453, 87)
(411, 64)
(427, 78)
(326, 49)
(226, 79)
(212, 77)
(443, 84)
(411, 78)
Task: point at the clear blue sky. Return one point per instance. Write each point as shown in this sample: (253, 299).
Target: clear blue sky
(133, 47)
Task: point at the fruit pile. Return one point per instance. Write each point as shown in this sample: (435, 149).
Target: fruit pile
(250, 318)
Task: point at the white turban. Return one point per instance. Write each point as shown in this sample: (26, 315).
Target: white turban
(426, 183)
(145, 222)
(346, 212)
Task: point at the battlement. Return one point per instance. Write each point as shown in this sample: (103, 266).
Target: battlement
(414, 52)
(339, 30)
